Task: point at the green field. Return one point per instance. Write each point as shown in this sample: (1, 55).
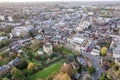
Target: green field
(47, 71)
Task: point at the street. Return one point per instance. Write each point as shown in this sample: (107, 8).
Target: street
(95, 61)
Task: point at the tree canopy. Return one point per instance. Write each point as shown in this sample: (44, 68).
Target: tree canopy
(62, 76)
(30, 66)
(103, 51)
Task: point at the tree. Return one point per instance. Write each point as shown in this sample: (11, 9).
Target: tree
(103, 77)
(91, 70)
(22, 65)
(62, 76)
(16, 73)
(35, 45)
(4, 42)
(103, 51)
(67, 68)
(56, 48)
(30, 66)
(43, 31)
(3, 34)
(5, 79)
(12, 55)
(19, 55)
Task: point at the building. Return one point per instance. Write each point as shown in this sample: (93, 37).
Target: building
(4, 69)
(83, 25)
(22, 30)
(2, 18)
(78, 43)
(10, 18)
(116, 48)
(47, 48)
(95, 52)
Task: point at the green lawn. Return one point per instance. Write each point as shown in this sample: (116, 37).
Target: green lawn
(33, 61)
(47, 71)
(67, 51)
(4, 61)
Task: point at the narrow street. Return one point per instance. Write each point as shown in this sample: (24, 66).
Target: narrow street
(95, 61)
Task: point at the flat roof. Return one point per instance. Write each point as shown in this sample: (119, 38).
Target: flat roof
(80, 40)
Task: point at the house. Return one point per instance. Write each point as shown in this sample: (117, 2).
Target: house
(4, 69)
(22, 30)
(47, 48)
(77, 43)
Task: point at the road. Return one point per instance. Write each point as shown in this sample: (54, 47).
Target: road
(95, 61)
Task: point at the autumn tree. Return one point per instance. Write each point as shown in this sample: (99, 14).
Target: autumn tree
(19, 55)
(67, 68)
(30, 66)
(62, 76)
(103, 51)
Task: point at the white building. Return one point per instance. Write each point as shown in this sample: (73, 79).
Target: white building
(2, 18)
(10, 18)
(47, 48)
(22, 30)
(95, 52)
(90, 13)
(78, 43)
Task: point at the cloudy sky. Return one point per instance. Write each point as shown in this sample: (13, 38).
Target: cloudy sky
(49, 0)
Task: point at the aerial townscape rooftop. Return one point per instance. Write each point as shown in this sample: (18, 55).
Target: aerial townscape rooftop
(60, 40)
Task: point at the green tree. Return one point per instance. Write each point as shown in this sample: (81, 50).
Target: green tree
(43, 31)
(16, 73)
(103, 77)
(4, 42)
(91, 70)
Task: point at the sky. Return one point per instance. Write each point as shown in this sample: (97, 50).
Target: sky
(50, 0)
